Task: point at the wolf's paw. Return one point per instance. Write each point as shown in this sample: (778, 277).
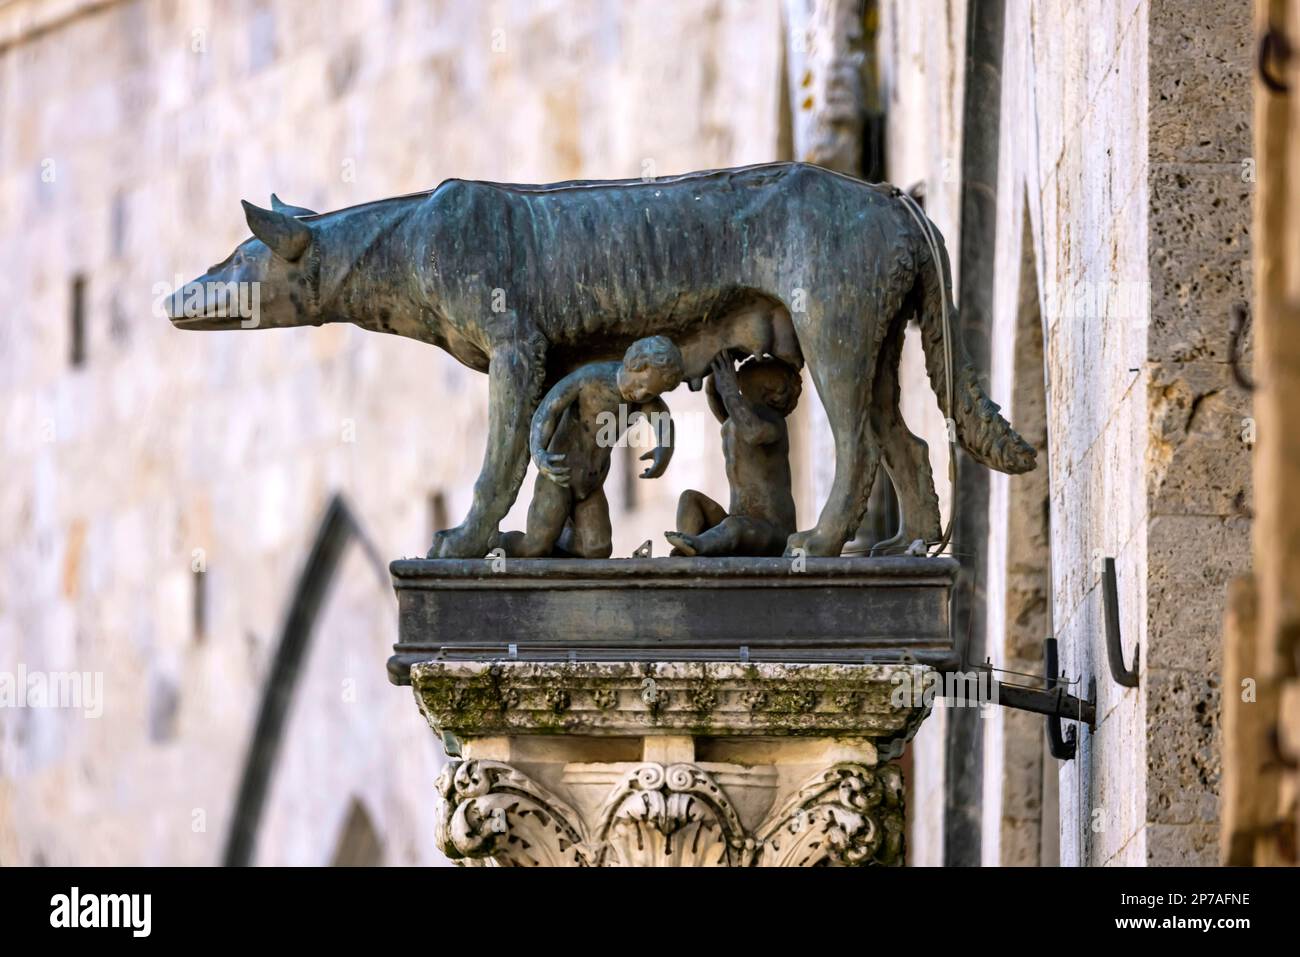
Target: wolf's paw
(814, 544)
(907, 536)
(889, 546)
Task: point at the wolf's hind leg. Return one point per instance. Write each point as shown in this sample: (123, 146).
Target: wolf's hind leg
(843, 379)
(907, 457)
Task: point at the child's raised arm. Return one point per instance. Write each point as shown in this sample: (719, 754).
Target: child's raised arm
(751, 428)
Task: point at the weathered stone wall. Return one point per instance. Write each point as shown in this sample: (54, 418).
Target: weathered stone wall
(1144, 222)
(128, 133)
(1125, 146)
(1199, 489)
(1260, 717)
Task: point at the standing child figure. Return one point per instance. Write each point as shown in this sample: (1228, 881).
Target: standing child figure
(756, 446)
(581, 419)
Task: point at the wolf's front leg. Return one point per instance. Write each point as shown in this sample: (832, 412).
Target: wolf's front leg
(516, 371)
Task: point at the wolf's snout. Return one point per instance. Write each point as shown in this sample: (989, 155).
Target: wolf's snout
(174, 305)
(191, 307)
(209, 303)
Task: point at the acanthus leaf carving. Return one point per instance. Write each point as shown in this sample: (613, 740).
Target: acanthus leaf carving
(848, 815)
(491, 811)
(674, 816)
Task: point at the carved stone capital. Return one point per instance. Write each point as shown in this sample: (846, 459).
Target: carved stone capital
(670, 764)
(670, 815)
(673, 816)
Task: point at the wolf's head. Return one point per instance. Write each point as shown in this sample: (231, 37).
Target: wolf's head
(272, 279)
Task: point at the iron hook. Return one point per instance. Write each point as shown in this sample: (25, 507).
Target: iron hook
(1123, 676)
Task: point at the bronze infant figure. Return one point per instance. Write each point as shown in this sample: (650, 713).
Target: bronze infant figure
(580, 420)
(756, 447)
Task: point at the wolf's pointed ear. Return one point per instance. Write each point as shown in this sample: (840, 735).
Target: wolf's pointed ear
(283, 234)
(280, 206)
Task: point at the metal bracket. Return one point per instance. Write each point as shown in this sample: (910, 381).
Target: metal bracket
(1123, 675)
(1062, 745)
(1052, 701)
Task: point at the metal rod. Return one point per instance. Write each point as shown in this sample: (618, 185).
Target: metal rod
(1054, 704)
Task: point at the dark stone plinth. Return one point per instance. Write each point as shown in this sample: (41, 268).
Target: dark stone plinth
(681, 609)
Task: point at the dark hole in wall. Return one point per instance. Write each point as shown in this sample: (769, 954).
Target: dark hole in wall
(200, 604)
(77, 322)
(117, 226)
(164, 708)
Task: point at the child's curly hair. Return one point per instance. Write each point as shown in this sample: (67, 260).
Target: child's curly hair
(656, 352)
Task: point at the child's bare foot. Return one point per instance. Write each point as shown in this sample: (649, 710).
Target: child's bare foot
(683, 544)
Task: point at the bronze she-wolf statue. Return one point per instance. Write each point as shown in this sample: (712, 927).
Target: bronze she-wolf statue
(526, 283)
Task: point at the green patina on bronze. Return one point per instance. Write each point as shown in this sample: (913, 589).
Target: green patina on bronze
(527, 283)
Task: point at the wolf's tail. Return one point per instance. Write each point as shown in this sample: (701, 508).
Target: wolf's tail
(981, 431)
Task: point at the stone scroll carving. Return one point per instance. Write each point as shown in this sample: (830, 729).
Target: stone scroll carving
(491, 811)
(848, 816)
(673, 815)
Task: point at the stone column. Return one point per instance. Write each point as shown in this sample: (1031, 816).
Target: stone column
(673, 711)
(677, 764)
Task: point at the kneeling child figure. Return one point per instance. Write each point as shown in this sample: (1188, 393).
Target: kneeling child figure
(756, 445)
(572, 433)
